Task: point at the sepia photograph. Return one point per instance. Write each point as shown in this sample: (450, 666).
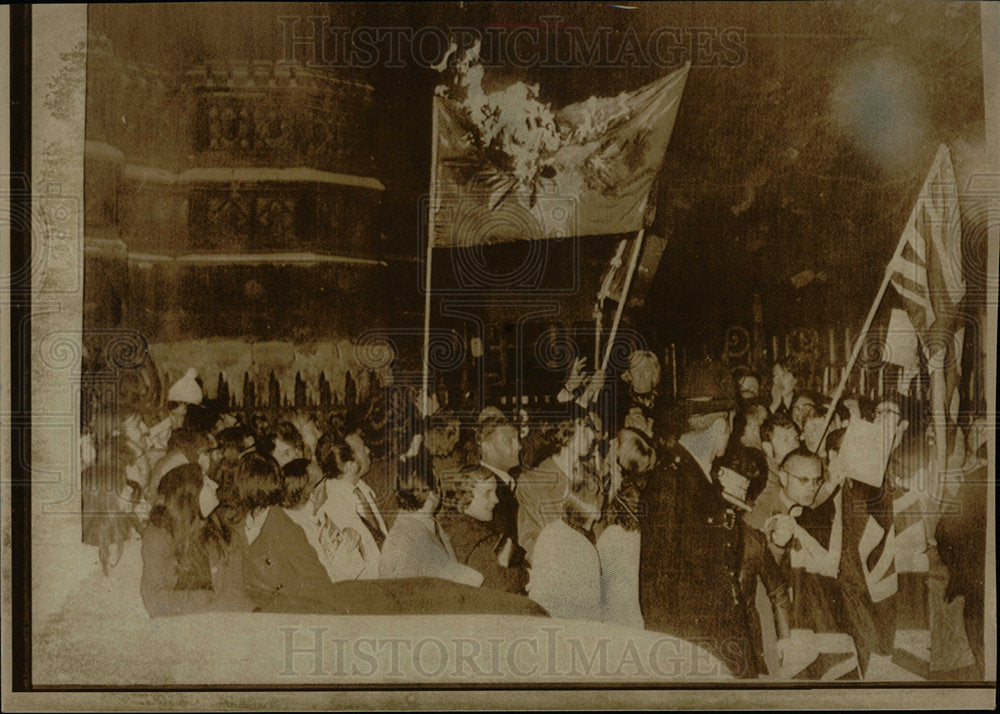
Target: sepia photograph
(500, 355)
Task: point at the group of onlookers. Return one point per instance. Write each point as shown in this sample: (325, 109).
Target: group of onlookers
(721, 517)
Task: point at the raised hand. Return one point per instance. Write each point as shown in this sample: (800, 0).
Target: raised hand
(782, 528)
(594, 386)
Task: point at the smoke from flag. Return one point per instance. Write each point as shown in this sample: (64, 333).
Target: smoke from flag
(587, 169)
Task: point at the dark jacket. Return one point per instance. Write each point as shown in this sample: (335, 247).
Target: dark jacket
(383, 478)
(283, 571)
(284, 574)
(689, 562)
(758, 562)
(505, 512)
(474, 543)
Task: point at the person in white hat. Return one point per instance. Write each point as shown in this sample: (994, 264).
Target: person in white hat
(183, 392)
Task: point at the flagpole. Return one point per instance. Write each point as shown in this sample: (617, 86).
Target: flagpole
(430, 256)
(861, 337)
(602, 295)
(624, 297)
(939, 417)
(598, 324)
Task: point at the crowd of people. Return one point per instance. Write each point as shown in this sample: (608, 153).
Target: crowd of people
(720, 516)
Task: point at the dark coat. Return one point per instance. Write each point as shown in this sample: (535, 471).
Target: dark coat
(474, 544)
(284, 574)
(758, 562)
(689, 562)
(505, 512)
(283, 571)
(382, 477)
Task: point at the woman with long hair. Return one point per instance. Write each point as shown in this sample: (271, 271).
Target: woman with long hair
(110, 499)
(245, 496)
(182, 572)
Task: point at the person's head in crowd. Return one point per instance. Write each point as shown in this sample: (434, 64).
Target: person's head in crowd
(499, 440)
(747, 383)
(977, 440)
(183, 393)
(785, 375)
(803, 407)
(812, 431)
(753, 415)
(779, 436)
(444, 433)
(890, 417)
(643, 373)
(225, 419)
(308, 429)
(747, 462)
(576, 436)
(801, 476)
(490, 412)
(196, 446)
(233, 442)
(860, 407)
(753, 469)
(260, 425)
(345, 457)
(285, 443)
(370, 417)
(297, 484)
(475, 493)
(583, 504)
(176, 511)
(714, 428)
(707, 400)
(256, 483)
(633, 455)
(418, 488)
(841, 416)
(831, 448)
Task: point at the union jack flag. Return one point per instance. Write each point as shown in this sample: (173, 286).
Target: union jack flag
(928, 276)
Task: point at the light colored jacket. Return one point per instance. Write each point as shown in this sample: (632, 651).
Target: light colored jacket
(416, 547)
(619, 553)
(565, 574)
(341, 505)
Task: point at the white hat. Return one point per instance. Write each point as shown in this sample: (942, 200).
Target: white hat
(186, 389)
